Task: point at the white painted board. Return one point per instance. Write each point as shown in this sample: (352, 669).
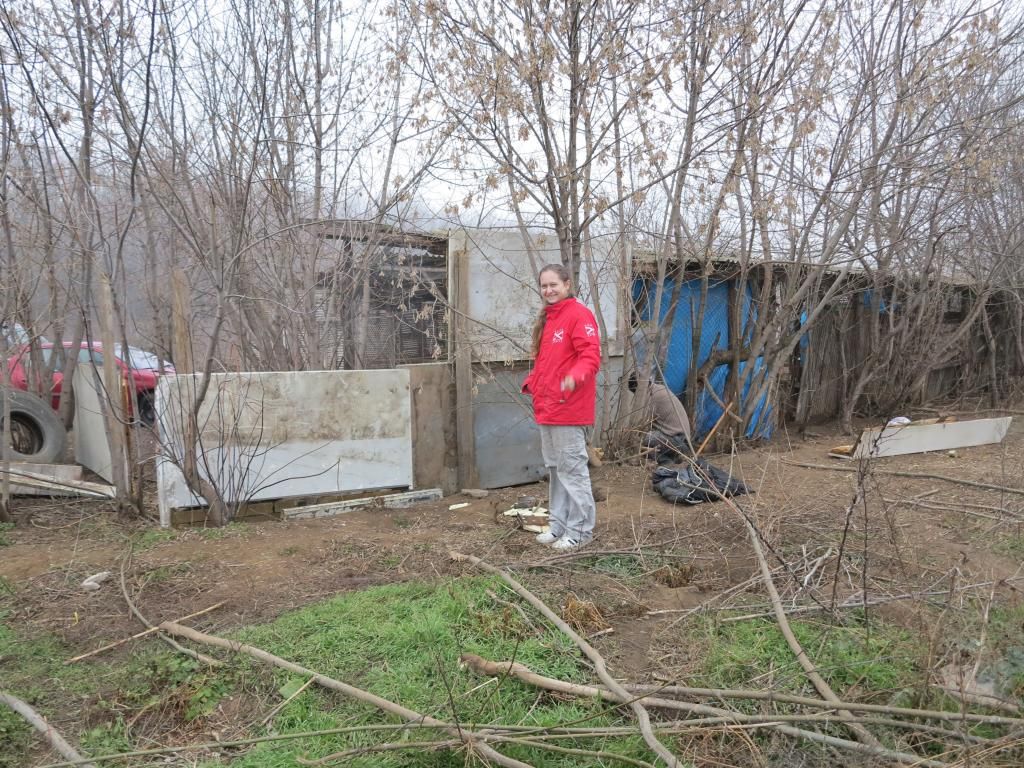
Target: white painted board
(283, 434)
(92, 446)
(919, 438)
(503, 300)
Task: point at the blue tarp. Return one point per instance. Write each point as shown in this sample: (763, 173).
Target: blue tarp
(714, 335)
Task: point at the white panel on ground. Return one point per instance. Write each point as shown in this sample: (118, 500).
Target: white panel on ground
(918, 438)
(503, 301)
(277, 435)
(92, 444)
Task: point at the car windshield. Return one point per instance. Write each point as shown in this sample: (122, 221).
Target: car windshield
(138, 359)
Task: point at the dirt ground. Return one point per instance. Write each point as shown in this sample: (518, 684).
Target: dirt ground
(912, 532)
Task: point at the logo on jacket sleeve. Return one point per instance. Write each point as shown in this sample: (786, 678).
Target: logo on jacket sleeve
(589, 329)
(559, 336)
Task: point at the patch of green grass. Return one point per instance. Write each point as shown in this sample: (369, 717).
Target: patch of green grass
(4, 528)
(101, 689)
(1006, 628)
(403, 642)
(165, 572)
(31, 668)
(151, 538)
(1010, 545)
(214, 534)
(624, 567)
(851, 657)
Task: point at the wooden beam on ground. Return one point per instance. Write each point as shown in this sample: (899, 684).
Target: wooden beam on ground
(61, 473)
(388, 501)
(58, 487)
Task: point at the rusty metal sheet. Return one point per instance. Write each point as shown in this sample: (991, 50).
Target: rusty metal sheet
(507, 438)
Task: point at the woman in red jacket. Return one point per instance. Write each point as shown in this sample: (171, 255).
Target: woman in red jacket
(563, 385)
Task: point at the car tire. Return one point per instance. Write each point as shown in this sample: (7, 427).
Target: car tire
(36, 432)
(144, 407)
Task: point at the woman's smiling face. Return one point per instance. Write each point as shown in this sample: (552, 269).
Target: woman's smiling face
(553, 288)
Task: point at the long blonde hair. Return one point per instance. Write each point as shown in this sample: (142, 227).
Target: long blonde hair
(538, 324)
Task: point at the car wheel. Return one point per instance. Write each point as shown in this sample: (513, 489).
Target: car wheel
(36, 433)
(145, 408)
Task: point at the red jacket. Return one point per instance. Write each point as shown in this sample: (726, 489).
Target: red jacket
(569, 346)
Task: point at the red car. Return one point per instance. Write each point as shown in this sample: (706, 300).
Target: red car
(21, 374)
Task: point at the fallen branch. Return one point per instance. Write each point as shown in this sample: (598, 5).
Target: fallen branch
(857, 601)
(137, 635)
(206, 745)
(902, 473)
(537, 742)
(804, 660)
(37, 721)
(1005, 515)
(468, 738)
(643, 720)
(714, 715)
(980, 699)
(776, 697)
(208, 660)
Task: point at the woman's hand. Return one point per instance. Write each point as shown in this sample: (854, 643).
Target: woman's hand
(568, 384)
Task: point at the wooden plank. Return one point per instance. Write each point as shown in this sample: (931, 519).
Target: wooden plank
(56, 472)
(434, 446)
(458, 260)
(920, 438)
(62, 487)
(388, 501)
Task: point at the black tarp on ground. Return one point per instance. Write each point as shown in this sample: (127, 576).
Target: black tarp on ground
(695, 482)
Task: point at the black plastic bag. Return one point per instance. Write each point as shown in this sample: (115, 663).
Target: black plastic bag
(695, 482)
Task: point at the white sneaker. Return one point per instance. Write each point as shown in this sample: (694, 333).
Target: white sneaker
(547, 538)
(565, 543)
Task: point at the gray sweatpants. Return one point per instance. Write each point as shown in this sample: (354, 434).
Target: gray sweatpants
(571, 501)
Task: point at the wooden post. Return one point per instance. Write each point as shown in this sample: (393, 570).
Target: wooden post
(113, 397)
(181, 343)
(458, 284)
(5, 451)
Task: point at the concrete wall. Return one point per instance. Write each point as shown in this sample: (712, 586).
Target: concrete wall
(275, 435)
(503, 301)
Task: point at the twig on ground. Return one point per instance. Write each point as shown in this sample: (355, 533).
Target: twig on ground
(208, 660)
(902, 473)
(137, 635)
(643, 719)
(804, 660)
(717, 715)
(513, 606)
(641, 550)
(281, 705)
(533, 731)
(1005, 515)
(467, 737)
(37, 721)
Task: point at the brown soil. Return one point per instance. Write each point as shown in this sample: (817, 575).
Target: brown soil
(263, 568)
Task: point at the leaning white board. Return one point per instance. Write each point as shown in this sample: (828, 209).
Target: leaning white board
(919, 438)
(277, 435)
(92, 443)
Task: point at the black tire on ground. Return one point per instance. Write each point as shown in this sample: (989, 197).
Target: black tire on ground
(36, 433)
